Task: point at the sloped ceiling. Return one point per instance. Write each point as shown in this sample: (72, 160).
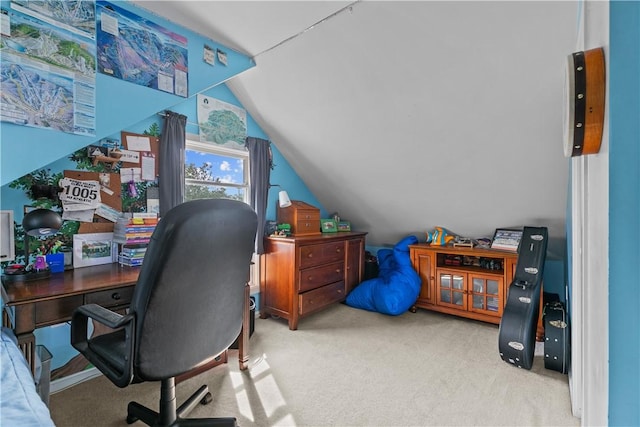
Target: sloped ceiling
(403, 116)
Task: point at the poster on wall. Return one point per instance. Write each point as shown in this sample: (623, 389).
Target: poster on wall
(222, 123)
(139, 51)
(48, 70)
(77, 16)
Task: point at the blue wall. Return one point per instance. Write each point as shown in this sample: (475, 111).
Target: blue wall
(624, 214)
(121, 106)
(126, 106)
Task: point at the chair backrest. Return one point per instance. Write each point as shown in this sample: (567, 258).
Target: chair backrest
(189, 297)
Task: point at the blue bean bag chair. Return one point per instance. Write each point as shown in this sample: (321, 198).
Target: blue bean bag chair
(397, 286)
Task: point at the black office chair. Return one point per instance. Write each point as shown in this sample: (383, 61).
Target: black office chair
(186, 308)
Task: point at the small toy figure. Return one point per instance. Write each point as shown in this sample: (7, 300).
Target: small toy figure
(41, 263)
(440, 236)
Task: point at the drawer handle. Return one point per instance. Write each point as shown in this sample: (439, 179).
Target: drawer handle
(116, 296)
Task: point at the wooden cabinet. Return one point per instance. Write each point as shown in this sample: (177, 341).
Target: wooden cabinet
(300, 275)
(466, 282)
(463, 281)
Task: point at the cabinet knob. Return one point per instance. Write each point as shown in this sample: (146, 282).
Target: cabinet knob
(338, 270)
(310, 255)
(116, 296)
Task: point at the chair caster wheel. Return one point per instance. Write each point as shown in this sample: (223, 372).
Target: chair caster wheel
(131, 419)
(206, 399)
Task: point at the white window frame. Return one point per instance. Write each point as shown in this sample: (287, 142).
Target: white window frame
(192, 143)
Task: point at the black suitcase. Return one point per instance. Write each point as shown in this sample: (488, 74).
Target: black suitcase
(556, 337)
(517, 332)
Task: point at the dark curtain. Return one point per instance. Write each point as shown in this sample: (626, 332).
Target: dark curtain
(171, 162)
(260, 162)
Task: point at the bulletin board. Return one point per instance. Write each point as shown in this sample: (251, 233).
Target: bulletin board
(111, 195)
(133, 141)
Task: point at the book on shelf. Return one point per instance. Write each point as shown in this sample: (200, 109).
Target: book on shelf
(130, 236)
(126, 241)
(124, 260)
(133, 251)
(132, 255)
(124, 232)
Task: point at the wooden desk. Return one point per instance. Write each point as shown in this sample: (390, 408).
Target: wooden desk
(50, 301)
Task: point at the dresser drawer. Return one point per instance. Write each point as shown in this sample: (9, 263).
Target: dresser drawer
(111, 298)
(320, 298)
(321, 254)
(312, 278)
(305, 227)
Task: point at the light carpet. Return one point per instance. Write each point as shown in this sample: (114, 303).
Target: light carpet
(349, 367)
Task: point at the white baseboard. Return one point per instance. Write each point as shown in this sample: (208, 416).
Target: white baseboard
(73, 379)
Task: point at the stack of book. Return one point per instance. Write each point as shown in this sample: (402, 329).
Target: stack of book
(127, 233)
(134, 239)
(132, 255)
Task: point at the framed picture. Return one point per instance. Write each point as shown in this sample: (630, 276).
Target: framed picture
(506, 239)
(328, 226)
(344, 226)
(94, 249)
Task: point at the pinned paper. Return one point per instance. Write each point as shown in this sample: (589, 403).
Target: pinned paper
(148, 167)
(138, 143)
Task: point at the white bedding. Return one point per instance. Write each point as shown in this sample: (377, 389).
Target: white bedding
(20, 403)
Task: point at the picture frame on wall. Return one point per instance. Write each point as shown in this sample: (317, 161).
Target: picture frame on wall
(506, 239)
(328, 226)
(94, 249)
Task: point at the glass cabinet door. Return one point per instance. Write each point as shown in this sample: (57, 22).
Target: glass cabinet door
(451, 289)
(485, 294)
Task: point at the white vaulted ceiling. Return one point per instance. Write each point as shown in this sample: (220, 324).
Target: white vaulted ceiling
(403, 116)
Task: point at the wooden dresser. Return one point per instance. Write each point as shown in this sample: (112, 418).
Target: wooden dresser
(303, 274)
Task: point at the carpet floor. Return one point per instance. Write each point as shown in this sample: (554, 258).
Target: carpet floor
(349, 367)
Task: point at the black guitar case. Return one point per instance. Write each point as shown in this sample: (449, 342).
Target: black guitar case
(556, 337)
(517, 333)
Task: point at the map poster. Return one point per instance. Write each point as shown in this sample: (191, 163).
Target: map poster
(221, 123)
(139, 51)
(47, 72)
(76, 16)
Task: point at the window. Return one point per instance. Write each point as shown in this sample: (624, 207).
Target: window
(213, 172)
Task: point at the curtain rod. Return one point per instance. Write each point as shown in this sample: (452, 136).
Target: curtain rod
(188, 122)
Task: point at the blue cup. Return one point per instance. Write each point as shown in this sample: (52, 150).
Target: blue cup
(56, 262)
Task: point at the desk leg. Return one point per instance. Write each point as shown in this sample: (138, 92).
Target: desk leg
(24, 334)
(243, 342)
(27, 343)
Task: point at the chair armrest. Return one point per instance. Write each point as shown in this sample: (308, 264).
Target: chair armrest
(103, 315)
(81, 342)
(81, 315)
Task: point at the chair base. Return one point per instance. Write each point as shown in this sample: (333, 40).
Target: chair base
(170, 416)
